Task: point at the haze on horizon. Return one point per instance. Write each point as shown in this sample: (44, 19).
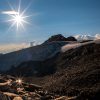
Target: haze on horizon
(49, 17)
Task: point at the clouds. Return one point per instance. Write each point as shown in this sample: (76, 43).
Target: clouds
(87, 37)
(10, 12)
(97, 36)
(5, 48)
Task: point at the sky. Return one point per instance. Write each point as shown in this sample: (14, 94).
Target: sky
(48, 17)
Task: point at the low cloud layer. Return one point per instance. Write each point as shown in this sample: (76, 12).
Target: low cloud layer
(5, 48)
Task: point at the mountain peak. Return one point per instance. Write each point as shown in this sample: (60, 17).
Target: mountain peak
(60, 37)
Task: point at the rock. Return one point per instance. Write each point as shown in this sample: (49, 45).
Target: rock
(2, 80)
(47, 97)
(60, 37)
(10, 94)
(62, 98)
(4, 97)
(18, 98)
(32, 87)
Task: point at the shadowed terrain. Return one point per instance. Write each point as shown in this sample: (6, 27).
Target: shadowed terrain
(73, 73)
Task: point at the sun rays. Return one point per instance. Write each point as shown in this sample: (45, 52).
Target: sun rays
(17, 18)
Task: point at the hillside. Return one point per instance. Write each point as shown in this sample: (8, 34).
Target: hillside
(74, 72)
(35, 53)
(41, 52)
(78, 73)
(60, 37)
(67, 69)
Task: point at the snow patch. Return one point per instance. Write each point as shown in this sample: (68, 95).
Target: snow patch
(87, 37)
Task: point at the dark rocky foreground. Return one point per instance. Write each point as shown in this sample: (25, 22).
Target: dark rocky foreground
(12, 88)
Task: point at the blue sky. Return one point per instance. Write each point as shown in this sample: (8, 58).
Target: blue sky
(68, 17)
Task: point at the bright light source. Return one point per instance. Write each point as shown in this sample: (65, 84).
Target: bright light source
(19, 81)
(18, 18)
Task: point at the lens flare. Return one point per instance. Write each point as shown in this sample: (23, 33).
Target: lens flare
(19, 81)
(18, 18)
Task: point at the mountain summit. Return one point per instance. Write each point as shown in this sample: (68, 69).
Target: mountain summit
(59, 37)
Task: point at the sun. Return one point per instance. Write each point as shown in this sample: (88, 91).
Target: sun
(17, 18)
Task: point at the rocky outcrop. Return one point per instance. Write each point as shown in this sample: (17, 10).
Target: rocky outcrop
(59, 37)
(26, 91)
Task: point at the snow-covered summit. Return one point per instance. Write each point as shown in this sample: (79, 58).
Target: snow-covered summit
(87, 37)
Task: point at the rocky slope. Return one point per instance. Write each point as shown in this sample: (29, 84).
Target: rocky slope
(36, 53)
(73, 73)
(12, 88)
(76, 71)
(60, 37)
